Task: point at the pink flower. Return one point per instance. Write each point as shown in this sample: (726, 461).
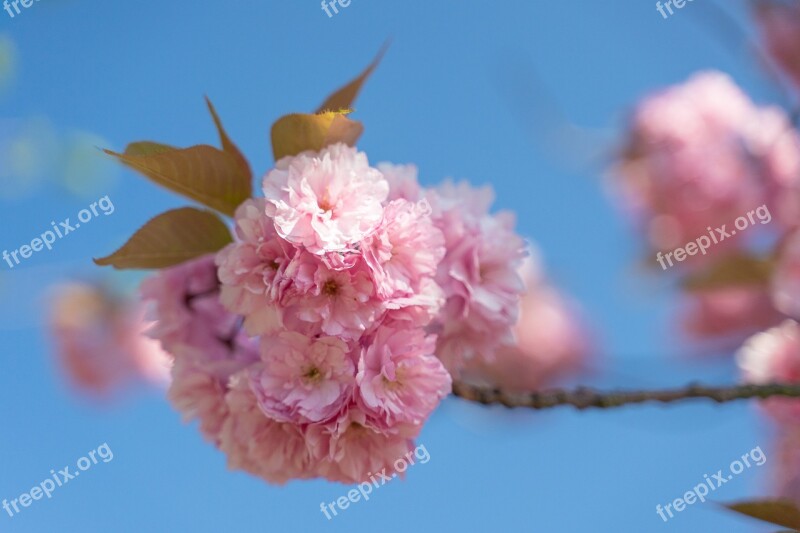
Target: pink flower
(354, 449)
(399, 378)
(303, 379)
(252, 270)
(402, 180)
(274, 451)
(468, 203)
(405, 248)
(336, 284)
(326, 201)
(480, 276)
(418, 309)
(198, 395)
(702, 154)
(550, 332)
(100, 340)
(779, 23)
(338, 302)
(460, 348)
(191, 322)
(773, 356)
(549, 341)
(180, 294)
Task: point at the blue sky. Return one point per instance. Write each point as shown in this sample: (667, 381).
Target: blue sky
(451, 97)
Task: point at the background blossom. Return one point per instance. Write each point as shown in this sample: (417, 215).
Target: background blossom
(699, 155)
(100, 342)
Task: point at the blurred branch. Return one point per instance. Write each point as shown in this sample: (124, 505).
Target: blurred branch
(585, 398)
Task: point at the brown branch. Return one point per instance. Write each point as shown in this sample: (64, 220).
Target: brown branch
(585, 398)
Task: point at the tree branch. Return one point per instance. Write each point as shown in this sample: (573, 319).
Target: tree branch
(585, 398)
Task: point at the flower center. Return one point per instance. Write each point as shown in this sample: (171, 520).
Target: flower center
(356, 429)
(312, 375)
(330, 288)
(393, 384)
(325, 204)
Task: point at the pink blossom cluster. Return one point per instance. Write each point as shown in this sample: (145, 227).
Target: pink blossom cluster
(701, 154)
(303, 348)
(319, 343)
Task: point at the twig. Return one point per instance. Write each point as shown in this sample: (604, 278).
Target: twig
(585, 398)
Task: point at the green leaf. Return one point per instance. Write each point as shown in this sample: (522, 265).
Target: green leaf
(346, 96)
(734, 271)
(297, 133)
(148, 148)
(779, 512)
(170, 239)
(227, 144)
(219, 179)
(203, 173)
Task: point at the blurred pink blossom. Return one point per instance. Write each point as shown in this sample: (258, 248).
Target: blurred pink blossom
(702, 154)
(100, 342)
(728, 315)
(550, 340)
(773, 356)
(786, 276)
(479, 274)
